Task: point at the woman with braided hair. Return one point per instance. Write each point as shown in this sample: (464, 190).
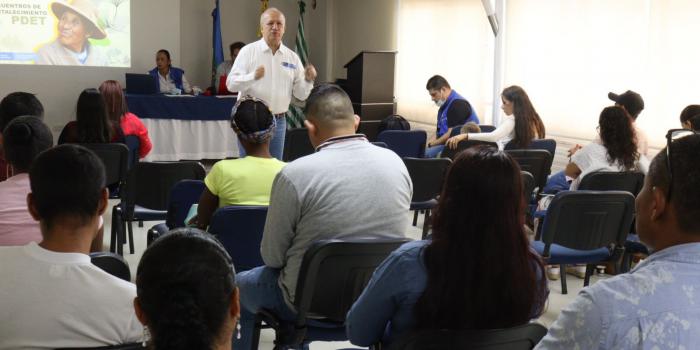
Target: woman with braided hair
(186, 294)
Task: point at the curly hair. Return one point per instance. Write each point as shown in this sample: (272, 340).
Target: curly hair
(618, 136)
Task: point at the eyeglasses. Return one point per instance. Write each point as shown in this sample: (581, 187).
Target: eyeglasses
(673, 135)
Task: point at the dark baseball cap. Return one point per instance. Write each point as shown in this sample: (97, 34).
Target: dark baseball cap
(631, 100)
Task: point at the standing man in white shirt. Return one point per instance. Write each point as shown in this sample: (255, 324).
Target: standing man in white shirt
(270, 71)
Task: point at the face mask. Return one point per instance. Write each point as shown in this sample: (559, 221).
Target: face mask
(439, 103)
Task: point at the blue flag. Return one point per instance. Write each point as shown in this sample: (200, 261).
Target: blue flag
(218, 50)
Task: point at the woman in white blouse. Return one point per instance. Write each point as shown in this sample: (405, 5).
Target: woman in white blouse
(521, 125)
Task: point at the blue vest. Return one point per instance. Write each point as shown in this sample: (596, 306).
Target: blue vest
(442, 113)
(175, 75)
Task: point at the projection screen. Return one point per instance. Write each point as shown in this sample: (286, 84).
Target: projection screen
(68, 33)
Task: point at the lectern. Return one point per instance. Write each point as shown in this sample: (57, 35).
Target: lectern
(370, 84)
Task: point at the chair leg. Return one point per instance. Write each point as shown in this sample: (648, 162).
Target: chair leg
(140, 223)
(114, 229)
(131, 237)
(562, 277)
(415, 217)
(589, 271)
(426, 224)
(255, 340)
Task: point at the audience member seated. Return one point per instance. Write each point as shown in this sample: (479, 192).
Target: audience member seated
(121, 118)
(243, 181)
(521, 125)
(14, 105)
(689, 113)
(24, 138)
(91, 124)
(633, 103)
(224, 68)
(186, 292)
(393, 122)
(169, 79)
(470, 127)
(655, 306)
(448, 282)
(614, 150)
(52, 294)
(349, 188)
(454, 111)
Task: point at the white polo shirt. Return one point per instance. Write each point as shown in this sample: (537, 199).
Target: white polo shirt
(284, 76)
(53, 300)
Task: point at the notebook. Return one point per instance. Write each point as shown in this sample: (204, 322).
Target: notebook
(143, 84)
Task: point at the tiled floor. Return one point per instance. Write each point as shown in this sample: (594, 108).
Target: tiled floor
(555, 303)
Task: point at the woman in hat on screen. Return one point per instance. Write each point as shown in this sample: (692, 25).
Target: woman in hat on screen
(77, 21)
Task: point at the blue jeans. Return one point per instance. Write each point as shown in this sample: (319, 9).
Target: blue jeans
(434, 151)
(258, 289)
(277, 140)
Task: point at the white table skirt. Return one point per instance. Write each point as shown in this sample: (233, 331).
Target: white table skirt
(175, 139)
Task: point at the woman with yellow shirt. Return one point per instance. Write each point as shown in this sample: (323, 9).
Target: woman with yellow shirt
(243, 181)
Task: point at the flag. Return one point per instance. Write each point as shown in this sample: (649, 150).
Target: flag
(295, 114)
(218, 50)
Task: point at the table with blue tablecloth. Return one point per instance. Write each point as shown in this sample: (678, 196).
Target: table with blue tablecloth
(186, 127)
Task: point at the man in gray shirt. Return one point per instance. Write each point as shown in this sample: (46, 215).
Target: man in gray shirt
(348, 189)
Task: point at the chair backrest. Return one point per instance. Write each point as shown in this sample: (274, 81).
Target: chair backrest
(380, 144)
(334, 273)
(133, 143)
(131, 346)
(528, 185)
(406, 143)
(369, 128)
(587, 220)
(462, 145)
(486, 128)
(629, 181)
(182, 196)
(549, 145)
(427, 175)
(523, 337)
(535, 161)
(456, 130)
(297, 144)
(148, 184)
(115, 157)
(240, 229)
(114, 264)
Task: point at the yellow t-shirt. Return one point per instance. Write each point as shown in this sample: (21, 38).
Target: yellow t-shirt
(245, 181)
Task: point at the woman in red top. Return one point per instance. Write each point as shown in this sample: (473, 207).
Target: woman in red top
(119, 114)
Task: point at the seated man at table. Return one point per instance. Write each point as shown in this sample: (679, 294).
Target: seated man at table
(348, 189)
(656, 305)
(51, 296)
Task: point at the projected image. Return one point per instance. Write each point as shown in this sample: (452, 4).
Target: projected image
(69, 33)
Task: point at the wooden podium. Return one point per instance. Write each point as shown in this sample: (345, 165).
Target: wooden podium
(370, 84)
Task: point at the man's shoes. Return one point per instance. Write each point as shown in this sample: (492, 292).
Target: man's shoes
(553, 272)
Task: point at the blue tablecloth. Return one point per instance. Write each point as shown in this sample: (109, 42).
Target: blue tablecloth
(180, 107)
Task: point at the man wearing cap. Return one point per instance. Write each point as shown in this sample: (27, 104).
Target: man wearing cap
(77, 22)
(633, 103)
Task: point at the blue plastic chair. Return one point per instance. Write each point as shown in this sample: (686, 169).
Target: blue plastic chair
(548, 145)
(427, 176)
(182, 196)
(240, 229)
(585, 227)
(406, 143)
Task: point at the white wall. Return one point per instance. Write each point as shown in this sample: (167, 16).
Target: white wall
(184, 28)
(154, 24)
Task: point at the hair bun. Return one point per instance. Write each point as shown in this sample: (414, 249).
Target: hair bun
(20, 132)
